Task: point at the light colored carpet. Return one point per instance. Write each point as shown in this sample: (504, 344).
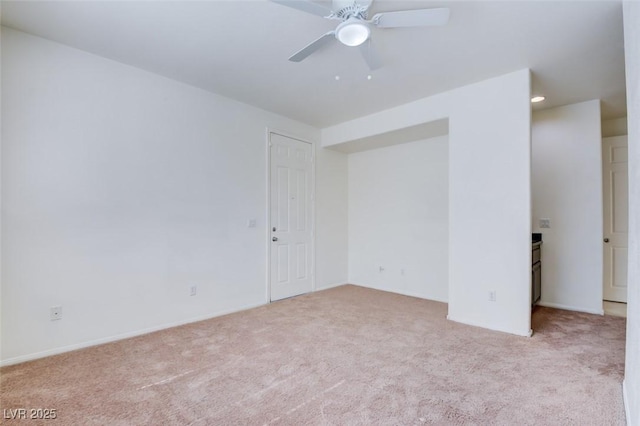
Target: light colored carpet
(348, 355)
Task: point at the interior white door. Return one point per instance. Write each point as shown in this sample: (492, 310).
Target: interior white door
(616, 209)
(291, 212)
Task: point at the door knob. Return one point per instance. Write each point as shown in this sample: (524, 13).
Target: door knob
(274, 239)
(606, 240)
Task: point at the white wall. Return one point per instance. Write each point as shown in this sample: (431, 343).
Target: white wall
(567, 189)
(1, 191)
(632, 363)
(398, 218)
(490, 203)
(331, 218)
(122, 188)
(382, 124)
(489, 193)
(614, 127)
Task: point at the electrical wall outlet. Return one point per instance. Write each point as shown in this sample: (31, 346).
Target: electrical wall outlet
(545, 222)
(492, 295)
(193, 290)
(55, 313)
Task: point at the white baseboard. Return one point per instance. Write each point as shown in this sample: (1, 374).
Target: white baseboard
(571, 308)
(525, 333)
(326, 287)
(404, 293)
(87, 344)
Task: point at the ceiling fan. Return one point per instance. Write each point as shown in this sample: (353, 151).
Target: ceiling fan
(355, 28)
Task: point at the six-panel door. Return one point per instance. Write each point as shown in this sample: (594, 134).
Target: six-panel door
(291, 217)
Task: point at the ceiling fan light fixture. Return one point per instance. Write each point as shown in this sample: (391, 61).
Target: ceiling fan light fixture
(353, 32)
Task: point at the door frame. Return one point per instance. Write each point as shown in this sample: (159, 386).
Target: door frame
(269, 132)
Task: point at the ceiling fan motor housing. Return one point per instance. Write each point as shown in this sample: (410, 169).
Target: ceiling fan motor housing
(350, 9)
(354, 30)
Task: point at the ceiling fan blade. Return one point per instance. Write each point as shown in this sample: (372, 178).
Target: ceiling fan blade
(306, 6)
(312, 47)
(412, 18)
(370, 55)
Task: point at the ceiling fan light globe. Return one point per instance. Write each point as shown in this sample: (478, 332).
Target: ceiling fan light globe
(352, 32)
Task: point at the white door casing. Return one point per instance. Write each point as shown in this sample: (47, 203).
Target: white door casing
(616, 210)
(291, 217)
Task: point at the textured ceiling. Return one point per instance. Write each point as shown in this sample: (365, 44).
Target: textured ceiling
(240, 48)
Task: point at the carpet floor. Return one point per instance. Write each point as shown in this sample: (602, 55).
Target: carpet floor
(344, 356)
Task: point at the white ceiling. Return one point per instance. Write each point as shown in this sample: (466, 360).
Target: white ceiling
(240, 48)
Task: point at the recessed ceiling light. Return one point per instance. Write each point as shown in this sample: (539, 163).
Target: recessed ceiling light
(536, 99)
